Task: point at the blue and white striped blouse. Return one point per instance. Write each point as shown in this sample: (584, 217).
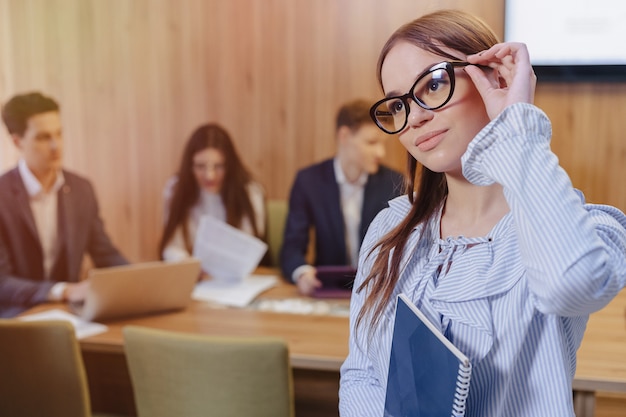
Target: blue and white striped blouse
(516, 302)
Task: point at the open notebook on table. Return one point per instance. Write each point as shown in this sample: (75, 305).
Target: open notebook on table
(428, 375)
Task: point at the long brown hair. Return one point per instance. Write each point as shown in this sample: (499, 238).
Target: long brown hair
(234, 189)
(450, 29)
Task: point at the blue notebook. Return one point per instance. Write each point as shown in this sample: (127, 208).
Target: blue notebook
(428, 376)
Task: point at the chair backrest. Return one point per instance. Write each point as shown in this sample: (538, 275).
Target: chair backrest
(41, 370)
(177, 374)
(276, 218)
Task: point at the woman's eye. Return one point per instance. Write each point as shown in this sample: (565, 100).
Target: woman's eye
(438, 84)
(438, 81)
(434, 85)
(396, 107)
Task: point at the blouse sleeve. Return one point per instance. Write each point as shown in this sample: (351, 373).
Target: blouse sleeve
(574, 253)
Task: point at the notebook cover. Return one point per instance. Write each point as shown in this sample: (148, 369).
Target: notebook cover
(428, 376)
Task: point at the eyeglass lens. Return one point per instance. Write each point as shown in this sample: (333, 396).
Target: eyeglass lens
(431, 91)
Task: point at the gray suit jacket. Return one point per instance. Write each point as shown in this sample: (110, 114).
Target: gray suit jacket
(81, 231)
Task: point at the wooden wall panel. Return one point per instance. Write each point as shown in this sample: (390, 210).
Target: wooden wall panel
(135, 77)
(588, 123)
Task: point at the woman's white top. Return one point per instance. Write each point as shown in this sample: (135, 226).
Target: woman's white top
(210, 204)
(516, 301)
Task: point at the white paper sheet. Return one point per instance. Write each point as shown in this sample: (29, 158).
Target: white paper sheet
(236, 294)
(83, 328)
(225, 252)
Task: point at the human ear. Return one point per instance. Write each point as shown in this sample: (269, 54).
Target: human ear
(343, 133)
(17, 140)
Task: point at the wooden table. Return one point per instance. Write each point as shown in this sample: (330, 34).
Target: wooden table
(602, 356)
(318, 346)
(315, 342)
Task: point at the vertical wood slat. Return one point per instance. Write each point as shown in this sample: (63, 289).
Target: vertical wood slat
(135, 78)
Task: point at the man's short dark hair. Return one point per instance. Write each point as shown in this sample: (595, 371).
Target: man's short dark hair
(20, 108)
(354, 114)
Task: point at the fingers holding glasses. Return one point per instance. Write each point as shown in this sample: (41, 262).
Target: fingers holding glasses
(513, 80)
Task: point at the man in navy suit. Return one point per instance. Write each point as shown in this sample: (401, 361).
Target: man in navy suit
(49, 217)
(338, 198)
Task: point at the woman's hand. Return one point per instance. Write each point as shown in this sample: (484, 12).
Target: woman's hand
(515, 81)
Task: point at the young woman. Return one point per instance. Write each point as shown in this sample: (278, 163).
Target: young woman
(213, 181)
(494, 244)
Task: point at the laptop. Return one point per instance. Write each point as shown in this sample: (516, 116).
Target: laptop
(337, 281)
(138, 289)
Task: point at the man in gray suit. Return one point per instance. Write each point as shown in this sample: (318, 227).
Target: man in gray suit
(49, 217)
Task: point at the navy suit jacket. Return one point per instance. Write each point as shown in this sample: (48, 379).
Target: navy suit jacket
(80, 229)
(315, 202)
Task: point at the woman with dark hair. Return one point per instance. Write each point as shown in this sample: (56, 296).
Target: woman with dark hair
(211, 180)
(493, 244)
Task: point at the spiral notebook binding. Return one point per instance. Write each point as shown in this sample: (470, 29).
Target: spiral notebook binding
(462, 390)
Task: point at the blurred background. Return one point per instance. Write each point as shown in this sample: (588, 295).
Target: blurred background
(135, 77)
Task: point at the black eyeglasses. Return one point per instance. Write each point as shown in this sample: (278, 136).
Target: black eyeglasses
(431, 91)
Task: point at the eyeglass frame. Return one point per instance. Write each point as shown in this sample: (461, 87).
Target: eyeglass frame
(448, 66)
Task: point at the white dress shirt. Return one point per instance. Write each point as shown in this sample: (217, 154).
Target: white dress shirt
(44, 206)
(351, 196)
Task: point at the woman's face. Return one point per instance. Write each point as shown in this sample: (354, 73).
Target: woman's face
(436, 138)
(209, 169)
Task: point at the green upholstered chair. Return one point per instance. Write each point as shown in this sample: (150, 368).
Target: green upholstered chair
(42, 370)
(185, 375)
(276, 218)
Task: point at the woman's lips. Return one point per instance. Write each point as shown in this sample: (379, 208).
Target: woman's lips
(430, 140)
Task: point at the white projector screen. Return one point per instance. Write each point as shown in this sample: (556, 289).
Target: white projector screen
(571, 39)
